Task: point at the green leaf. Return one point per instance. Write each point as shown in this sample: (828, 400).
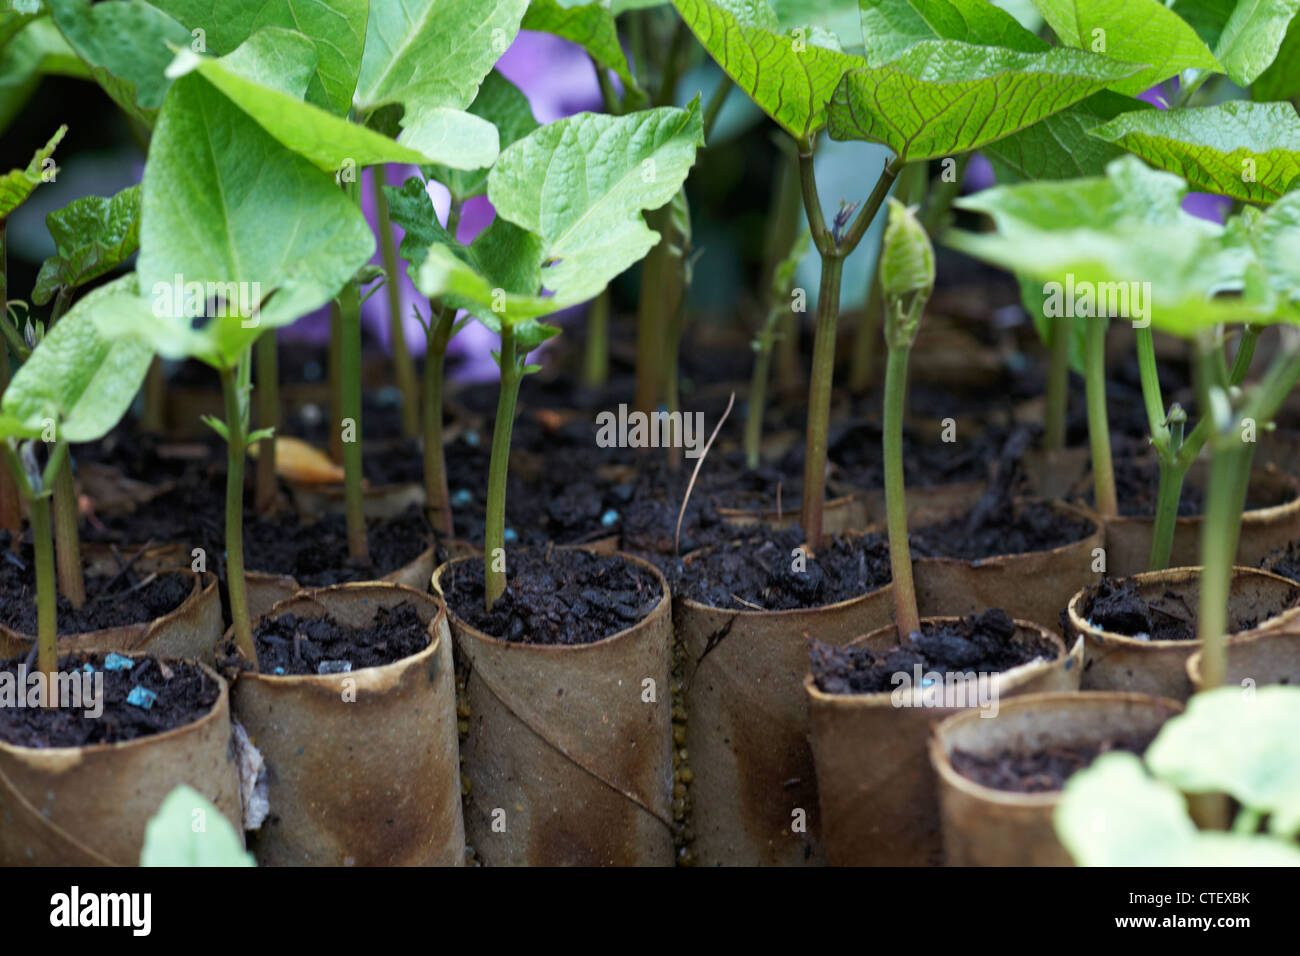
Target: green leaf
(38, 49)
(1114, 814)
(328, 141)
(891, 27)
(502, 104)
(11, 21)
(790, 79)
(92, 236)
(590, 25)
(336, 29)
(76, 377)
(1062, 145)
(411, 208)
(1249, 151)
(1275, 237)
(17, 184)
(581, 183)
(443, 275)
(1281, 81)
(1245, 35)
(837, 17)
(224, 202)
(1243, 743)
(433, 53)
(174, 838)
(1134, 31)
(127, 45)
(943, 97)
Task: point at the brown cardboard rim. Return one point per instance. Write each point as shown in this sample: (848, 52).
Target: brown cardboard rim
(1175, 576)
(942, 763)
(924, 519)
(54, 759)
(1281, 628)
(1250, 517)
(748, 517)
(380, 675)
(663, 606)
(129, 636)
(1011, 677)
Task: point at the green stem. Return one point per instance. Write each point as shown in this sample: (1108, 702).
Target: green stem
(612, 105)
(72, 581)
(268, 416)
(153, 416)
(403, 366)
(672, 65)
(353, 495)
(236, 434)
(436, 493)
(936, 213)
(866, 336)
(1225, 498)
(713, 108)
(900, 554)
(595, 365)
(1058, 386)
(757, 403)
(1103, 470)
(495, 530)
(1169, 492)
(47, 657)
(336, 381)
(649, 318)
(673, 334)
(787, 199)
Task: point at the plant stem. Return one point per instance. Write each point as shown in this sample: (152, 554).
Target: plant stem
(1103, 470)
(47, 657)
(900, 554)
(787, 200)
(595, 366)
(336, 381)
(354, 500)
(268, 416)
(713, 108)
(495, 528)
(153, 416)
(672, 65)
(436, 494)
(236, 430)
(612, 105)
(756, 405)
(1058, 386)
(11, 513)
(649, 316)
(936, 213)
(1225, 498)
(403, 366)
(866, 336)
(72, 582)
(673, 334)
(833, 250)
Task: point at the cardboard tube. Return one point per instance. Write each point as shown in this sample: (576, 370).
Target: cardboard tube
(567, 760)
(879, 801)
(88, 806)
(987, 827)
(1119, 662)
(362, 767)
(1267, 655)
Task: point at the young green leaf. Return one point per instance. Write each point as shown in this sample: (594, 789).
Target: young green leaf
(1245, 35)
(77, 378)
(1115, 814)
(790, 78)
(172, 839)
(92, 236)
(17, 184)
(1134, 31)
(336, 29)
(891, 27)
(1281, 81)
(37, 50)
(589, 24)
(1249, 749)
(502, 104)
(223, 202)
(433, 53)
(444, 276)
(1249, 151)
(11, 21)
(1062, 145)
(127, 45)
(580, 184)
(328, 141)
(943, 97)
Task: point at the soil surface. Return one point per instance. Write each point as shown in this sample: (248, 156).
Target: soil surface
(290, 644)
(184, 693)
(1284, 561)
(316, 554)
(128, 597)
(986, 643)
(1042, 772)
(1137, 485)
(759, 572)
(554, 596)
(1119, 607)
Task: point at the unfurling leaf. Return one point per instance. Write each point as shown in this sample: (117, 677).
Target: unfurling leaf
(92, 236)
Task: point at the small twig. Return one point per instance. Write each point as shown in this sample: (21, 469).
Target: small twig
(698, 462)
(778, 502)
(740, 600)
(145, 582)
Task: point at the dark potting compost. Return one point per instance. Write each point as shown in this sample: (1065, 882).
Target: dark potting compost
(290, 644)
(1137, 484)
(1284, 561)
(147, 697)
(759, 573)
(1016, 528)
(315, 553)
(554, 596)
(1044, 771)
(127, 597)
(987, 642)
